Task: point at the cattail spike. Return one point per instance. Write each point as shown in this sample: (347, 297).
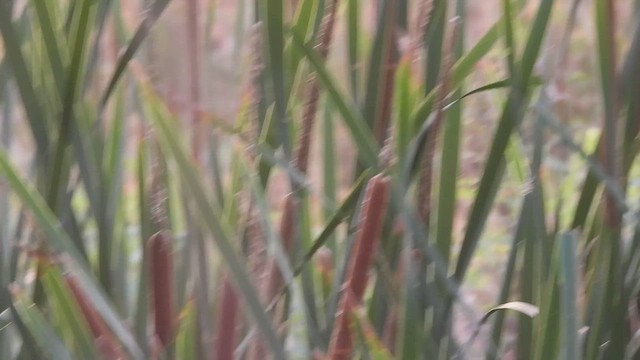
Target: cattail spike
(368, 234)
(161, 270)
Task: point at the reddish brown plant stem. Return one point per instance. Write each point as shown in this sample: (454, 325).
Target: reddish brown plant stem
(226, 327)
(426, 180)
(103, 338)
(160, 271)
(287, 233)
(389, 67)
(367, 237)
(275, 282)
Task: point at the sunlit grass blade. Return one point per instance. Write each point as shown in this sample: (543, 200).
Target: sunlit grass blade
(83, 19)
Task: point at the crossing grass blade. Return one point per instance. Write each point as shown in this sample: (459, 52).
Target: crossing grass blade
(511, 116)
(24, 81)
(150, 18)
(212, 219)
(303, 23)
(66, 312)
(342, 213)
(43, 334)
(60, 241)
(273, 17)
(353, 119)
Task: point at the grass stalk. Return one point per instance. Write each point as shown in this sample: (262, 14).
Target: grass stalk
(313, 89)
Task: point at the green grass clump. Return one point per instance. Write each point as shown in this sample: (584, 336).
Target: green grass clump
(337, 205)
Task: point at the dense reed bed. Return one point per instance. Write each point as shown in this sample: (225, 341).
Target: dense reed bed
(346, 199)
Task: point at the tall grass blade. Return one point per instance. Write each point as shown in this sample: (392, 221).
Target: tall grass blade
(24, 81)
(569, 293)
(213, 221)
(511, 116)
(273, 16)
(78, 337)
(353, 119)
(151, 16)
(44, 335)
(60, 242)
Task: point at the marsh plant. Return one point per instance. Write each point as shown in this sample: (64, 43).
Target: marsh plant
(326, 179)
